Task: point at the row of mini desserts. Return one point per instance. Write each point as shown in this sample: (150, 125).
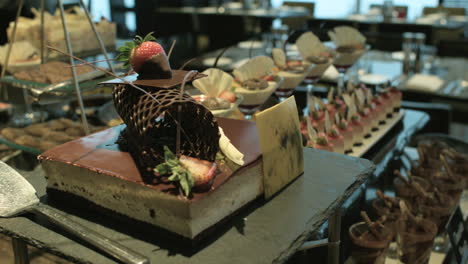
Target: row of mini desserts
(348, 117)
(253, 79)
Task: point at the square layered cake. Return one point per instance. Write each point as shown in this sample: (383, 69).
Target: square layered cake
(95, 170)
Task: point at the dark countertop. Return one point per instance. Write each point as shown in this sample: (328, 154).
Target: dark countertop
(263, 232)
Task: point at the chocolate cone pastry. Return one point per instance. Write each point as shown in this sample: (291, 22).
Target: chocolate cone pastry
(156, 67)
(151, 125)
(370, 241)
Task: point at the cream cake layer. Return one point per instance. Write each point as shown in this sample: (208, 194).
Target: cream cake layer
(94, 169)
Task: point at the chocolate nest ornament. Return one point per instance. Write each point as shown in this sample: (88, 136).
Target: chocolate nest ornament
(152, 117)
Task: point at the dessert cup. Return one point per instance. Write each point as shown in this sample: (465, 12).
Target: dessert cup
(358, 130)
(222, 112)
(439, 213)
(389, 102)
(338, 142)
(348, 135)
(344, 58)
(366, 248)
(397, 95)
(415, 241)
(406, 192)
(381, 109)
(317, 118)
(317, 72)
(366, 120)
(254, 99)
(321, 142)
(327, 147)
(391, 213)
(291, 80)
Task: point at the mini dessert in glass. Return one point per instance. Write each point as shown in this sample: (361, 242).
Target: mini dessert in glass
(415, 237)
(350, 46)
(313, 51)
(255, 82)
(370, 241)
(388, 209)
(217, 95)
(293, 73)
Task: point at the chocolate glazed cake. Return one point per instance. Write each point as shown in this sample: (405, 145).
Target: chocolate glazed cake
(136, 170)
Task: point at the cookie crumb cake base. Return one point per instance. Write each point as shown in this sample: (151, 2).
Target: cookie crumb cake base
(93, 169)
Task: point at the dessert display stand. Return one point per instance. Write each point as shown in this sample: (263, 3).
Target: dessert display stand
(262, 232)
(75, 80)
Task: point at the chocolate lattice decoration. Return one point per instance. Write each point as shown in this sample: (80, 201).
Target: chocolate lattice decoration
(152, 125)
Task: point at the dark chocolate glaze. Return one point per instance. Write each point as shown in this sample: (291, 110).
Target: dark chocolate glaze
(99, 152)
(156, 67)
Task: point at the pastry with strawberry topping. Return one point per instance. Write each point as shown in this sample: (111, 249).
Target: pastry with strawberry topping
(334, 136)
(346, 130)
(322, 142)
(317, 115)
(396, 98)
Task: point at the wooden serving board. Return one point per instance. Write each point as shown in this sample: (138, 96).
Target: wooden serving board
(368, 143)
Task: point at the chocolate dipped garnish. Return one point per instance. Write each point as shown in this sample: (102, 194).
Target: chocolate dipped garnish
(156, 67)
(370, 240)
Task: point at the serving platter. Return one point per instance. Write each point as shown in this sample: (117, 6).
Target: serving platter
(369, 142)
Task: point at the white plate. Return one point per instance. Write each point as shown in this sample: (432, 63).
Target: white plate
(247, 44)
(373, 79)
(223, 61)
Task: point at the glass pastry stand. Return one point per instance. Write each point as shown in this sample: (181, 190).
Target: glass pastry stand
(22, 110)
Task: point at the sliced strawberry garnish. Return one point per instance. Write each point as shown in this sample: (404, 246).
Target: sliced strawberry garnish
(202, 171)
